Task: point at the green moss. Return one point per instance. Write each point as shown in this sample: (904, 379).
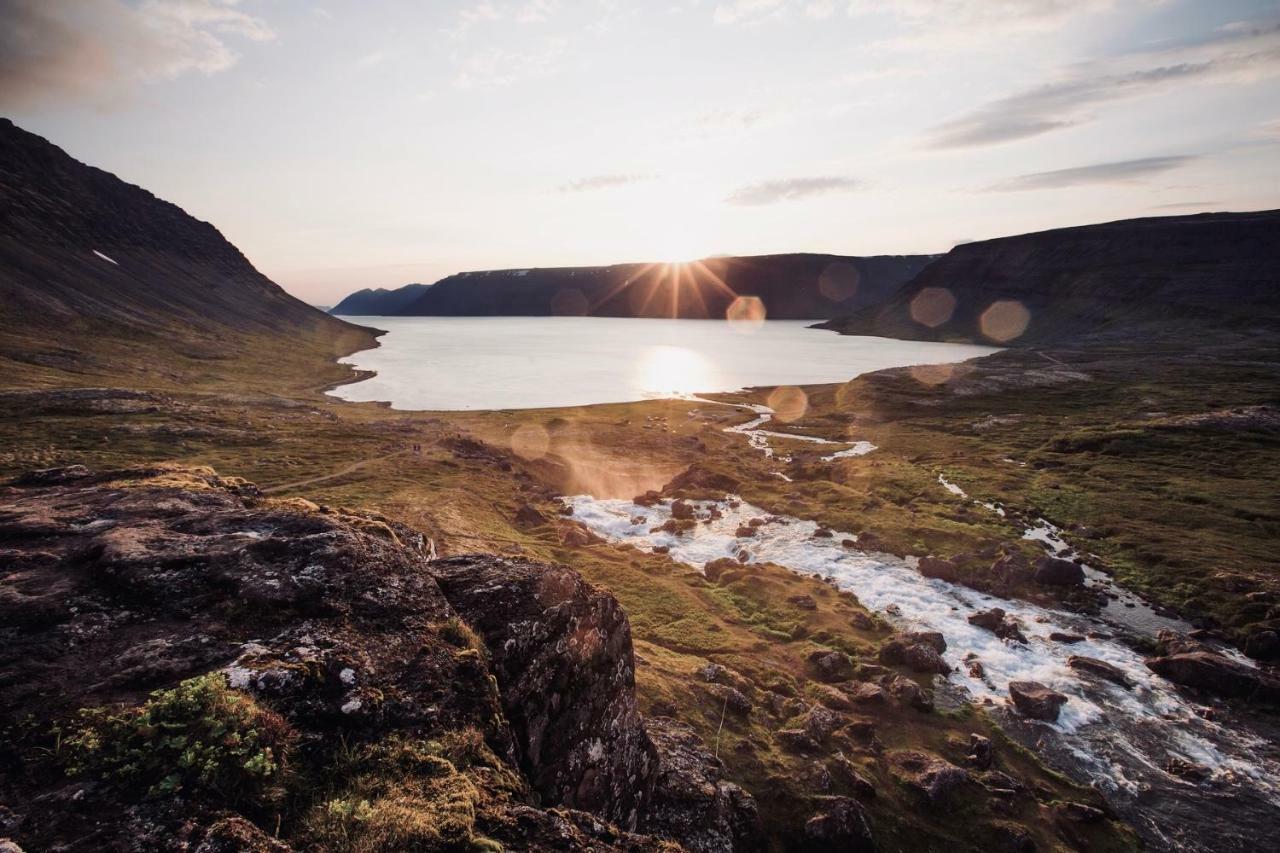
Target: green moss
(199, 735)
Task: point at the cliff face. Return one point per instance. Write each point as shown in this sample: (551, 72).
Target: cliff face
(1161, 276)
(380, 301)
(259, 666)
(800, 286)
(92, 264)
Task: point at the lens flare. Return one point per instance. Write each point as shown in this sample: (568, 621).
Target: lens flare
(839, 281)
(530, 441)
(569, 302)
(932, 374)
(933, 306)
(1005, 320)
(788, 402)
(745, 314)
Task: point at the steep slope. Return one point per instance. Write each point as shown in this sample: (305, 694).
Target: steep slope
(380, 301)
(96, 274)
(1161, 276)
(799, 286)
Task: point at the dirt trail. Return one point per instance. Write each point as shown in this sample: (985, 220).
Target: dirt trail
(341, 472)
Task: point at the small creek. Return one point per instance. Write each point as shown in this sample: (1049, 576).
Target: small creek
(1118, 740)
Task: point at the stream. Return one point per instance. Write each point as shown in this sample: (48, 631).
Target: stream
(1120, 740)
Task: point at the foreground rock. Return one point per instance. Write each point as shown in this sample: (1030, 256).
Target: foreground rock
(691, 801)
(1034, 700)
(841, 824)
(1217, 675)
(561, 651)
(1099, 668)
(919, 651)
(300, 630)
(1051, 571)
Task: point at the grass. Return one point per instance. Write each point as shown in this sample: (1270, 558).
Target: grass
(1169, 511)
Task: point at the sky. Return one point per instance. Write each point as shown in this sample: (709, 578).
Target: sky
(344, 144)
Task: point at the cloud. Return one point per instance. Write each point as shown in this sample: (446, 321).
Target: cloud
(791, 189)
(98, 50)
(1187, 205)
(748, 11)
(1121, 171)
(1241, 53)
(602, 182)
(493, 67)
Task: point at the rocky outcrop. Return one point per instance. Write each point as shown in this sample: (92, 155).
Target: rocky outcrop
(561, 651)
(335, 627)
(691, 801)
(1034, 700)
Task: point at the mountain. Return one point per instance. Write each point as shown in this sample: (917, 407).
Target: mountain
(1161, 276)
(96, 273)
(374, 302)
(798, 286)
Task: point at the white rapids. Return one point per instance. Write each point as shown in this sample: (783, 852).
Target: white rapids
(1121, 736)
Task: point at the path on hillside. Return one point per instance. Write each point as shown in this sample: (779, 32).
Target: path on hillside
(341, 472)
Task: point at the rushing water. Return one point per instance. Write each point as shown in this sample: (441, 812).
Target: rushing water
(1117, 738)
(454, 363)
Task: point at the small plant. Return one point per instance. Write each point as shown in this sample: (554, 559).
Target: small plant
(197, 735)
(457, 633)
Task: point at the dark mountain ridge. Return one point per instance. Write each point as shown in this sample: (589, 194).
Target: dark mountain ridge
(792, 286)
(1116, 280)
(90, 264)
(378, 301)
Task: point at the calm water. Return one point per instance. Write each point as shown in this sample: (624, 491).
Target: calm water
(452, 363)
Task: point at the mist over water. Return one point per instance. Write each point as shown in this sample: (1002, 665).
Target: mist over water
(455, 363)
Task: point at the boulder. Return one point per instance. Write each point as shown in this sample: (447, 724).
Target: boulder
(929, 775)
(804, 602)
(995, 621)
(1063, 637)
(796, 741)
(681, 510)
(1216, 675)
(1034, 700)
(839, 824)
(907, 692)
(571, 704)
(691, 800)
(1100, 669)
(936, 567)
(528, 516)
(731, 699)
(919, 651)
(979, 752)
(1263, 645)
(830, 666)
(847, 772)
(866, 694)
(1051, 571)
(821, 722)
